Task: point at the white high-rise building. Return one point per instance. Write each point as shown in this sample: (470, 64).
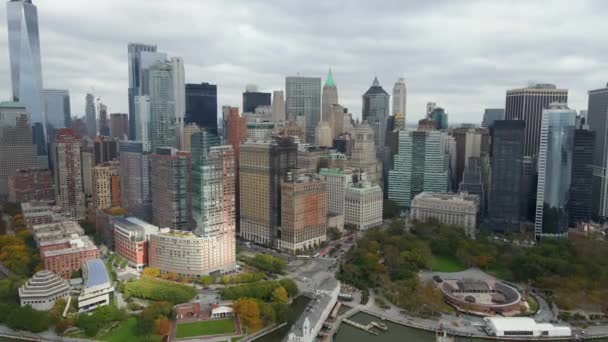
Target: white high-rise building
(363, 154)
(179, 93)
(399, 97)
(278, 106)
(363, 205)
(162, 128)
(337, 181)
(142, 121)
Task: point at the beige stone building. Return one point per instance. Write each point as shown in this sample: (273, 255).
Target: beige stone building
(363, 155)
(455, 209)
(106, 185)
(363, 205)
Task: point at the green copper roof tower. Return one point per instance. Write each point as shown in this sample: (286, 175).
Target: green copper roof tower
(329, 80)
(329, 96)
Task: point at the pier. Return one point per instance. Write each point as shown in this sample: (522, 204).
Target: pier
(369, 327)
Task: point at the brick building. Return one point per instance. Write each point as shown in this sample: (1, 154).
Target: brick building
(31, 185)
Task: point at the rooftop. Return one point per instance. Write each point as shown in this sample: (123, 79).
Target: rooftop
(520, 324)
(81, 244)
(95, 273)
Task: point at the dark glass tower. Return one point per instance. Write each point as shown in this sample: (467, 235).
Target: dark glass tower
(581, 185)
(596, 119)
(506, 195)
(201, 105)
(254, 99)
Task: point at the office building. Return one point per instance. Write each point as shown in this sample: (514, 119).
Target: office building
(475, 180)
(119, 126)
(141, 121)
(135, 184)
(303, 98)
(131, 240)
(470, 142)
(260, 130)
(42, 290)
(29, 185)
(376, 111)
(189, 130)
(452, 209)
(69, 192)
(303, 213)
(337, 181)
(140, 58)
(252, 99)
(235, 134)
(506, 205)
(17, 151)
(490, 115)
(105, 149)
(310, 159)
(90, 115)
(363, 205)
(57, 108)
(527, 104)
(162, 126)
(278, 106)
(104, 123)
(336, 120)
(262, 165)
(400, 101)
(64, 256)
(171, 188)
(106, 185)
(87, 162)
(97, 289)
(329, 97)
(581, 185)
(201, 105)
(363, 153)
(554, 170)
(597, 111)
(25, 66)
(323, 134)
(420, 166)
(440, 117)
(179, 96)
(207, 179)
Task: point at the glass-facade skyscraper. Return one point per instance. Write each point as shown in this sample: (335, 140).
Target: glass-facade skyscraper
(554, 170)
(203, 204)
(201, 105)
(597, 111)
(57, 108)
(303, 97)
(26, 69)
(162, 126)
(375, 112)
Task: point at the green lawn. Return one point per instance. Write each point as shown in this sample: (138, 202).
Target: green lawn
(532, 304)
(127, 331)
(445, 264)
(205, 328)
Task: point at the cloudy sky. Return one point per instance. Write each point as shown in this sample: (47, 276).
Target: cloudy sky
(461, 54)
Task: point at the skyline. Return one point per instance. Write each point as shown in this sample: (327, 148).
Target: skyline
(444, 50)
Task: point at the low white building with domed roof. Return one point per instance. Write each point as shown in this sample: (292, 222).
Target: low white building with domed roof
(43, 290)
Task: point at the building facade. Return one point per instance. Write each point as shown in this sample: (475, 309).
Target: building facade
(363, 205)
(303, 98)
(97, 289)
(554, 171)
(490, 115)
(42, 291)
(106, 185)
(17, 151)
(329, 96)
(581, 185)
(65, 256)
(303, 213)
(420, 166)
(131, 240)
(337, 182)
(31, 185)
(253, 99)
(57, 108)
(400, 101)
(90, 115)
(105, 149)
(363, 153)
(376, 111)
(527, 104)
(119, 126)
(201, 105)
(171, 188)
(135, 195)
(69, 192)
(163, 126)
(189, 130)
(262, 165)
(278, 106)
(597, 111)
(453, 209)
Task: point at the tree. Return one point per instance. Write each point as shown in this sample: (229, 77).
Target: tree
(162, 326)
(333, 233)
(248, 311)
(151, 272)
(207, 280)
(350, 228)
(279, 295)
(390, 209)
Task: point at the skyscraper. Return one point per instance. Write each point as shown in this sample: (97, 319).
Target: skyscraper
(421, 165)
(141, 57)
(135, 183)
(554, 170)
(376, 111)
(201, 105)
(581, 185)
(104, 124)
(337, 181)
(119, 126)
(470, 142)
(262, 165)
(162, 126)
(505, 207)
(527, 104)
(597, 111)
(278, 106)
(235, 134)
(105, 149)
(106, 185)
(329, 96)
(252, 99)
(69, 193)
(400, 100)
(363, 153)
(179, 96)
(57, 108)
(492, 114)
(16, 148)
(303, 98)
(205, 183)
(90, 115)
(26, 70)
(171, 187)
(141, 132)
(440, 117)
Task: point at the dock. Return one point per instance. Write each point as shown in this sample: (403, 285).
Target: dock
(369, 327)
